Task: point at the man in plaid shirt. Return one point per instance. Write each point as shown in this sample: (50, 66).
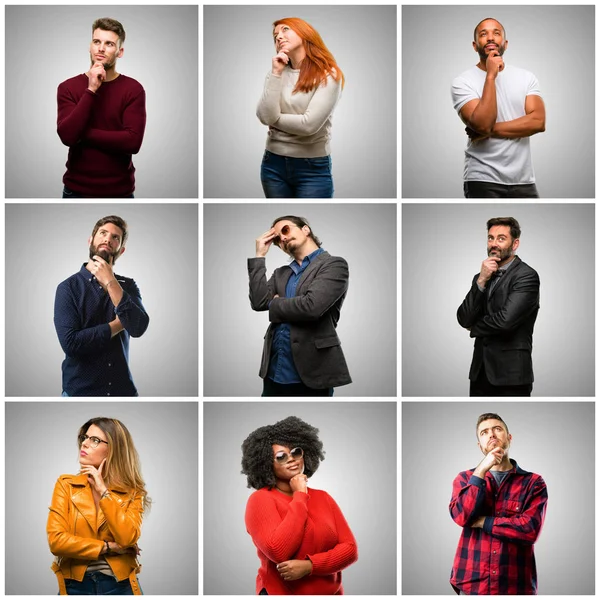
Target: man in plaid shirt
(501, 509)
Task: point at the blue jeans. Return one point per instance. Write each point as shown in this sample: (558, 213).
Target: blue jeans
(287, 177)
(96, 584)
(68, 193)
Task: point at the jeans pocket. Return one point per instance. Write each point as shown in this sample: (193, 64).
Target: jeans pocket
(266, 156)
(321, 163)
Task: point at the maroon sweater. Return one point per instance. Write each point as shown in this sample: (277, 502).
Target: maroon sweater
(102, 130)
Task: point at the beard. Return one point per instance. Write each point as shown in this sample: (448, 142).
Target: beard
(502, 254)
(107, 64)
(483, 54)
(109, 257)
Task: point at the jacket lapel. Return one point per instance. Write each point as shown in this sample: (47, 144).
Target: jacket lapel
(508, 275)
(82, 498)
(311, 267)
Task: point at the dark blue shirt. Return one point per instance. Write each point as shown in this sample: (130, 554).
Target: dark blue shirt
(96, 364)
(281, 365)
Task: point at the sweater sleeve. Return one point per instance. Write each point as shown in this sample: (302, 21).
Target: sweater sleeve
(127, 140)
(343, 554)
(319, 109)
(73, 116)
(60, 540)
(268, 109)
(277, 538)
(124, 518)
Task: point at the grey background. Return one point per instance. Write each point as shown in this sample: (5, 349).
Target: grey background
(359, 472)
(46, 45)
(46, 244)
(41, 445)
(238, 48)
(553, 439)
(555, 43)
(442, 249)
(363, 234)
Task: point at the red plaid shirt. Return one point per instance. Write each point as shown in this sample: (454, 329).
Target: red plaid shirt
(498, 558)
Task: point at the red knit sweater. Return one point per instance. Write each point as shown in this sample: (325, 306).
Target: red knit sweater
(102, 130)
(302, 526)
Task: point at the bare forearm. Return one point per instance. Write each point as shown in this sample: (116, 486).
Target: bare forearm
(484, 116)
(115, 327)
(115, 291)
(518, 128)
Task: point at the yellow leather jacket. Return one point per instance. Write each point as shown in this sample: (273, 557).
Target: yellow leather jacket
(76, 533)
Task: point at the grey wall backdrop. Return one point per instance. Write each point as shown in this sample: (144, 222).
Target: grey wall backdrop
(442, 249)
(161, 52)
(363, 234)
(46, 244)
(556, 43)
(554, 439)
(41, 445)
(238, 48)
(359, 472)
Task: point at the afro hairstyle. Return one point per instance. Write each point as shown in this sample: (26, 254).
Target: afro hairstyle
(257, 450)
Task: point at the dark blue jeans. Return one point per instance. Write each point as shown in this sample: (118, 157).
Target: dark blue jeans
(271, 388)
(68, 193)
(287, 177)
(96, 584)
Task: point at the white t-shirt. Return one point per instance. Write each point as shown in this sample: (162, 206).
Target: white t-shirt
(498, 160)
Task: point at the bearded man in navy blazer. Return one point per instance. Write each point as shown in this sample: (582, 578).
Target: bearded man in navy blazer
(302, 354)
(500, 311)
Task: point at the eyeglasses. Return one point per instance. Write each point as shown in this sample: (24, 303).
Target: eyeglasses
(94, 441)
(281, 457)
(285, 230)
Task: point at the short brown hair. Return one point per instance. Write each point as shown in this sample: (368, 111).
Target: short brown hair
(485, 417)
(489, 19)
(113, 25)
(515, 228)
(299, 222)
(115, 221)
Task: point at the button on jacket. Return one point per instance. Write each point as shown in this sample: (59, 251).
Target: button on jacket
(77, 533)
(498, 558)
(501, 319)
(312, 314)
(96, 364)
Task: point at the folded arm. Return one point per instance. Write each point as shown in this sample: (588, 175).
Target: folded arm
(127, 140)
(471, 308)
(480, 114)
(131, 312)
(533, 122)
(525, 527)
(343, 554)
(124, 518)
(60, 540)
(468, 496)
(316, 298)
(277, 538)
(73, 116)
(522, 300)
(75, 340)
(261, 290)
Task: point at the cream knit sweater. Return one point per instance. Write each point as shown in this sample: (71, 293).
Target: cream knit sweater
(299, 124)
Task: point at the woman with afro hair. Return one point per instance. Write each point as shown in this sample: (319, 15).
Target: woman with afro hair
(301, 535)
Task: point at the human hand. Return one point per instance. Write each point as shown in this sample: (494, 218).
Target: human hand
(488, 267)
(492, 458)
(478, 522)
(475, 136)
(279, 62)
(97, 75)
(115, 548)
(299, 483)
(95, 476)
(263, 243)
(290, 570)
(102, 270)
(494, 64)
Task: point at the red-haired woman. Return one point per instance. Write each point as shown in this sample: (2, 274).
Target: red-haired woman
(300, 95)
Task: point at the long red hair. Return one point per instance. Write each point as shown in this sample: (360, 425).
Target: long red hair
(318, 63)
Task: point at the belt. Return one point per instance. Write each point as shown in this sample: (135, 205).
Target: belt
(62, 588)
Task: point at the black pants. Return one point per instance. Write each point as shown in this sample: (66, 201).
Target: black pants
(270, 388)
(69, 193)
(487, 189)
(482, 387)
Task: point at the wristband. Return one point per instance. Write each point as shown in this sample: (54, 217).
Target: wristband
(104, 495)
(107, 548)
(111, 281)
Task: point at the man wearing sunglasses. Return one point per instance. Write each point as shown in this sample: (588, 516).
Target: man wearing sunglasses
(95, 313)
(302, 354)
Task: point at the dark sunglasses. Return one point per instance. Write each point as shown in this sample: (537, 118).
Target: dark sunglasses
(285, 230)
(281, 456)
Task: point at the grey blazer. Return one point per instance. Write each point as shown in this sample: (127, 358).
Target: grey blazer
(313, 314)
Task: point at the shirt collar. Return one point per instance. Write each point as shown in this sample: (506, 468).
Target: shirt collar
(306, 261)
(507, 266)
